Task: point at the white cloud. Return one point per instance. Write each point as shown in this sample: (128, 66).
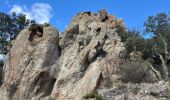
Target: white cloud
(66, 26)
(40, 12)
(17, 9)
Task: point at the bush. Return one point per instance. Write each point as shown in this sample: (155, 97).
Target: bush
(121, 86)
(93, 94)
(135, 90)
(136, 72)
(126, 96)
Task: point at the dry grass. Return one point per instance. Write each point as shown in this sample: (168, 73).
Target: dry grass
(133, 71)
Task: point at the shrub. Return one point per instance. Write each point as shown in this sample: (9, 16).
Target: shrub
(131, 71)
(121, 86)
(93, 94)
(135, 90)
(126, 96)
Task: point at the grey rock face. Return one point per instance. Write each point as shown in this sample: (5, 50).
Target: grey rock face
(28, 71)
(88, 45)
(35, 69)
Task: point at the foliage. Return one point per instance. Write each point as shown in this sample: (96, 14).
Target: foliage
(12, 24)
(124, 34)
(126, 96)
(135, 90)
(157, 47)
(121, 86)
(131, 71)
(159, 25)
(93, 94)
(135, 42)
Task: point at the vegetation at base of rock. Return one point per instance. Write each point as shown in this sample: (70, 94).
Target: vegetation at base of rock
(126, 96)
(121, 86)
(93, 94)
(136, 72)
(135, 90)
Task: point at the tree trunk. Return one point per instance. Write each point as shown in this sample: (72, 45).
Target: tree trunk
(158, 75)
(164, 68)
(167, 55)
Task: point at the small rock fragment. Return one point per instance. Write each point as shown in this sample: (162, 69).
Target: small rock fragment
(103, 14)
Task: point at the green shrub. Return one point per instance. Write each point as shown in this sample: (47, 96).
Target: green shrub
(126, 96)
(93, 94)
(121, 86)
(135, 90)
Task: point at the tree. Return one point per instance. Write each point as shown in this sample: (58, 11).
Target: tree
(159, 25)
(133, 41)
(12, 24)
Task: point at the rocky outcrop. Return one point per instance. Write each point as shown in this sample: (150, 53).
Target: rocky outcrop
(84, 58)
(28, 71)
(90, 50)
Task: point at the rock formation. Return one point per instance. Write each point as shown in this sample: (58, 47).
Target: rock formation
(28, 71)
(90, 50)
(84, 58)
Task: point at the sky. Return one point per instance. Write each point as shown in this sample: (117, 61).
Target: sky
(60, 12)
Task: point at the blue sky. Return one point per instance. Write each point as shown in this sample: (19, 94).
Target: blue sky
(60, 12)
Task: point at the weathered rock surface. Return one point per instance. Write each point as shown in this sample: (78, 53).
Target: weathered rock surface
(84, 58)
(90, 50)
(28, 72)
(135, 56)
(144, 91)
